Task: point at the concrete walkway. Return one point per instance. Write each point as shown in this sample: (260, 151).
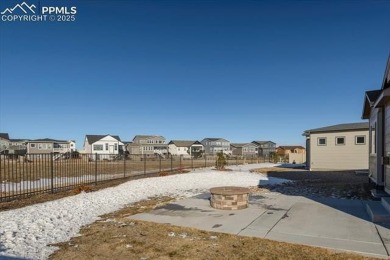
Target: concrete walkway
(327, 222)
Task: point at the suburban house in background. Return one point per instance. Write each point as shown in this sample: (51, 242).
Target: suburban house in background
(10, 146)
(17, 146)
(292, 153)
(376, 109)
(185, 148)
(105, 146)
(265, 148)
(148, 145)
(47, 146)
(214, 145)
(337, 147)
(4, 141)
(244, 149)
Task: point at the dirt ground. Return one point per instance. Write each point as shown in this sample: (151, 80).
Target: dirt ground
(337, 184)
(117, 237)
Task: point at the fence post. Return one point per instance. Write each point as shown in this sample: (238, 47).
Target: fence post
(124, 165)
(236, 160)
(52, 172)
(192, 162)
(160, 163)
(180, 162)
(144, 163)
(96, 167)
(205, 161)
(171, 163)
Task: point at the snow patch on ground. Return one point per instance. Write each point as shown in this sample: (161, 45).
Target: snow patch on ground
(27, 232)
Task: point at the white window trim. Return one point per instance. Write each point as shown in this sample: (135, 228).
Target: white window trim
(318, 141)
(356, 137)
(337, 137)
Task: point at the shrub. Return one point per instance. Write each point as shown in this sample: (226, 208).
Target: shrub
(220, 163)
(82, 188)
(161, 174)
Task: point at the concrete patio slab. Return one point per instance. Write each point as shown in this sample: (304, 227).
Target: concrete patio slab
(331, 223)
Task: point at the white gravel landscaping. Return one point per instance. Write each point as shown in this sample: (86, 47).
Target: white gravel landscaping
(27, 232)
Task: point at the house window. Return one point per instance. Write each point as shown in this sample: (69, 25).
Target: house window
(32, 145)
(106, 146)
(41, 146)
(321, 141)
(98, 147)
(373, 139)
(360, 139)
(340, 140)
(116, 147)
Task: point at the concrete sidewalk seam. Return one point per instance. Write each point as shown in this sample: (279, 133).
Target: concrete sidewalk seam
(380, 237)
(251, 222)
(284, 215)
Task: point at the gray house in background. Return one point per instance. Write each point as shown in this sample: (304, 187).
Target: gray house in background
(47, 146)
(148, 145)
(245, 150)
(376, 109)
(4, 141)
(12, 146)
(214, 145)
(17, 146)
(265, 148)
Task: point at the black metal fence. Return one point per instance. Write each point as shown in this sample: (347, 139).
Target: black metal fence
(22, 176)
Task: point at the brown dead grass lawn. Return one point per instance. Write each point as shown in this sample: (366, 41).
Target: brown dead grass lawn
(115, 236)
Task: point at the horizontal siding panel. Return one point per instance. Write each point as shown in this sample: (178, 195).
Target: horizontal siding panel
(343, 157)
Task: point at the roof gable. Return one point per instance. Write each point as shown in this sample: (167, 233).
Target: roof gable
(47, 140)
(212, 139)
(4, 136)
(386, 76)
(339, 128)
(262, 142)
(146, 137)
(94, 138)
(238, 145)
(369, 99)
(184, 143)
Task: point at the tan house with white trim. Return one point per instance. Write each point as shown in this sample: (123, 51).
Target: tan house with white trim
(292, 153)
(148, 145)
(337, 147)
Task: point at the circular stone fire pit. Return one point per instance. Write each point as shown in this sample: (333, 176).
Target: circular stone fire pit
(229, 197)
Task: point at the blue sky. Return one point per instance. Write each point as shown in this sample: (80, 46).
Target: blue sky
(241, 70)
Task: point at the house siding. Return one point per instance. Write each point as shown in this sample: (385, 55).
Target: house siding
(108, 150)
(175, 150)
(339, 157)
(245, 150)
(4, 143)
(236, 150)
(148, 145)
(212, 147)
(387, 146)
(375, 146)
